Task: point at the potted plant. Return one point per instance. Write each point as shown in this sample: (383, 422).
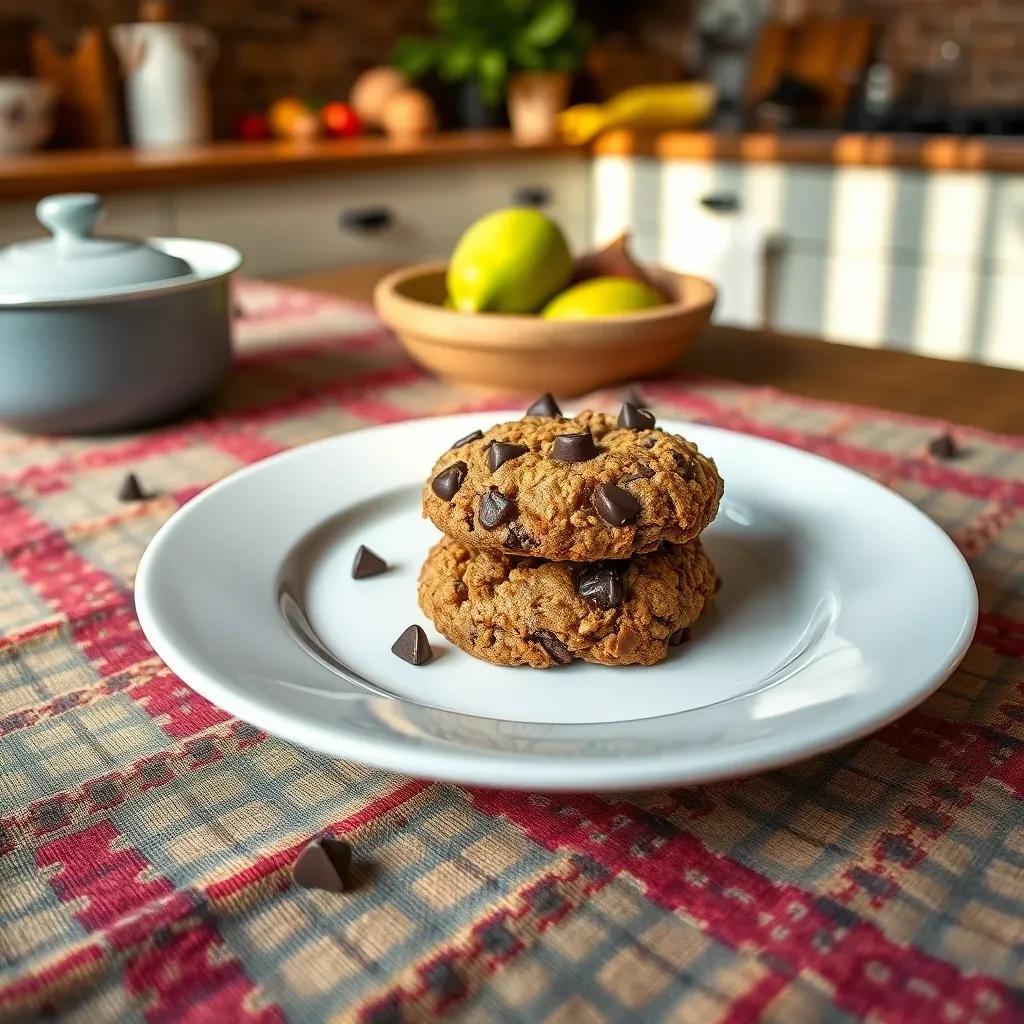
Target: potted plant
(522, 50)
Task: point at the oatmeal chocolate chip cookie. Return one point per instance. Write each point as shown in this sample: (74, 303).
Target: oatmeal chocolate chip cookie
(578, 489)
(524, 611)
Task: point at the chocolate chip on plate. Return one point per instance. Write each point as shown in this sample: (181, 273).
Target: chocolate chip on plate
(680, 636)
(367, 563)
(131, 490)
(324, 864)
(615, 505)
(574, 447)
(495, 509)
(944, 447)
(501, 452)
(544, 406)
(558, 651)
(475, 436)
(447, 483)
(413, 646)
(635, 417)
(601, 585)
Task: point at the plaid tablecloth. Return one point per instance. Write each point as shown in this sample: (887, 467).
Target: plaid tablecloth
(146, 837)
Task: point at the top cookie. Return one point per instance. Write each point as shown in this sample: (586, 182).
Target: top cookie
(578, 489)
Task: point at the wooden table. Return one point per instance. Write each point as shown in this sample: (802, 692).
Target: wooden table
(968, 393)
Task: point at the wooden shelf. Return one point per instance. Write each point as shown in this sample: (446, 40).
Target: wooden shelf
(921, 152)
(116, 170)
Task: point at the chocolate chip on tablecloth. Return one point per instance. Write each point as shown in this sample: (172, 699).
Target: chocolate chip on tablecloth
(413, 646)
(324, 864)
(615, 506)
(132, 490)
(544, 406)
(501, 452)
(574, 447)
(944, 447)
(447, 483)
(367, 563)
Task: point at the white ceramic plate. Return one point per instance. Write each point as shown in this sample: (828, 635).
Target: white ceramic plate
(842, 607)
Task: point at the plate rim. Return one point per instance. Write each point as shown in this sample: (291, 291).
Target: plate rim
(532, 771)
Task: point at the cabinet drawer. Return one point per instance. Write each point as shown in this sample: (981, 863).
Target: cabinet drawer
(415, 214)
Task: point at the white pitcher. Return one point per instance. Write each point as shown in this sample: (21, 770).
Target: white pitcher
(165, 66)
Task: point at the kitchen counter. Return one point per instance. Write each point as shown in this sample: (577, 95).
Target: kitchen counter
(118, 170)
(978, 396)
(919, 152)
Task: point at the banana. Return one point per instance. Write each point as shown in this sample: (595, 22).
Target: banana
(677, 104)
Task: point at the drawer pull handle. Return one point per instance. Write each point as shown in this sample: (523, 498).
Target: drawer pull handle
(532, 195)
(366, 220)
(721, 202)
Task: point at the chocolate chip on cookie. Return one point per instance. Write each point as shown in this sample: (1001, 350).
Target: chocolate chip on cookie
(615, 506)
(501, 452)
(447, 483)
(680, 636)
(544, 406)
(495, 509)
(685, 466)
(640, 473)
(517, 539)
(475, 436)
(601, 585)
(635, 417)
(574, 448)
(558, 651)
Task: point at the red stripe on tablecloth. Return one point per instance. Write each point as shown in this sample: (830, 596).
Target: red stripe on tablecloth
(749, 1007)
(184, 976)
(919, 470)
(745, 910)
(1000, 633)
(320, 344)
(20, 989)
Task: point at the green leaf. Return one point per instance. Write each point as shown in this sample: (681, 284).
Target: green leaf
(457, 60)
(549, 23)
(415, 55)
(492, 68)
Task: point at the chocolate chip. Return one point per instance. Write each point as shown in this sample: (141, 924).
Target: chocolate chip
(944, 447)
(615, 505)
(685, 465)
(503, 451)
(461, 591)
(131, 490)
(324, 864)
(367, 563)
(516, 537)
(447, 483)
(544, 406)
(574, 448)
(495, 509)
(601, 585)
(680, 636)
(634, 417)
(475, 436)
(648, 442)
(558, 651)
(413, 646)
(640, 473)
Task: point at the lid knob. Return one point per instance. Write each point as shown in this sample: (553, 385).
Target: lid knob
(70, 217)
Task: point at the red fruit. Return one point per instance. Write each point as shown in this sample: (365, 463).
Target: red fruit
(340, 120)
(253, 126)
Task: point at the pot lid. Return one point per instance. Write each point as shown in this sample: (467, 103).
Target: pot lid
(74, 261)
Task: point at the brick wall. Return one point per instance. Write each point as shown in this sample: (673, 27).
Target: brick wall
(990, 34)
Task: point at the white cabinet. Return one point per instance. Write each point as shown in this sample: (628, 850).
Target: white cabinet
(920, 260)
(285, 226)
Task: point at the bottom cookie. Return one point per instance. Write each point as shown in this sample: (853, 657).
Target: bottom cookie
(525, 611)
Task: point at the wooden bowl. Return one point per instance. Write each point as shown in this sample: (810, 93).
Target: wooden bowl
(500, 351)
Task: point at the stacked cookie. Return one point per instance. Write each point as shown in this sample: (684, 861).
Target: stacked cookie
(569, 538)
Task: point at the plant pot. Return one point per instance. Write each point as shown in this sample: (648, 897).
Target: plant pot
(472, 111)
(534, 101)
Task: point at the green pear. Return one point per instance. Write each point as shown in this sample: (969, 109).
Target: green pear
(602, 296)
(510, 261)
